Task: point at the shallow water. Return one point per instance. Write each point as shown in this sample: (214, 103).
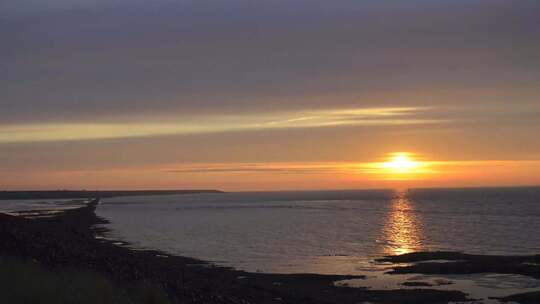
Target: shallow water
(481, 287)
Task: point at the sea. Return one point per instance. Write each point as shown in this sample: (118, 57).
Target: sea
(337, 232)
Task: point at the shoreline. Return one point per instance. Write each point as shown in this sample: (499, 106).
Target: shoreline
(71, 239)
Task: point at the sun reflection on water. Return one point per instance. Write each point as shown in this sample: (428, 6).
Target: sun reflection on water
(403, 227)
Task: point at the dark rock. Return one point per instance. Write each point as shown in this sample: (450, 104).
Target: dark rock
(461, 263)
(417, 284)
(523, 298)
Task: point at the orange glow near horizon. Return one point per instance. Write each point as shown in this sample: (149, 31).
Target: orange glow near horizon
(393, 171)
(401, 163)
(401, 166)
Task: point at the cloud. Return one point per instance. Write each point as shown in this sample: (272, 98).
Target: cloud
(257, 169)
(214, 124)
(375, 169)
(299, 168)
(146, 59)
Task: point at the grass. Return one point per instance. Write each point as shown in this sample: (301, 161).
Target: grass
(23, 282)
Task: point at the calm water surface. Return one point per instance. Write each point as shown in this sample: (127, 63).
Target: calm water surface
(328, 232)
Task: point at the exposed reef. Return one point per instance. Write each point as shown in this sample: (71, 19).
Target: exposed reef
(447, 262)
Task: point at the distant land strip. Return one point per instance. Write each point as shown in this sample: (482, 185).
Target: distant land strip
(67, 194)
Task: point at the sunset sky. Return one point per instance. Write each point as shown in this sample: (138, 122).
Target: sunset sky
(269, 94)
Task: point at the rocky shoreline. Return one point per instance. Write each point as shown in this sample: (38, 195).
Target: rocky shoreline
(462, 264)
(69, 240)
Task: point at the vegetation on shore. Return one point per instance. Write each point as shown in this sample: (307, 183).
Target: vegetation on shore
(29, 282)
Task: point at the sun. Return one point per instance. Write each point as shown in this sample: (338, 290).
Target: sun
(400, 162)
(401, 166)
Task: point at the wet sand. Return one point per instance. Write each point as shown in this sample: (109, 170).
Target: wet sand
(71, 239)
